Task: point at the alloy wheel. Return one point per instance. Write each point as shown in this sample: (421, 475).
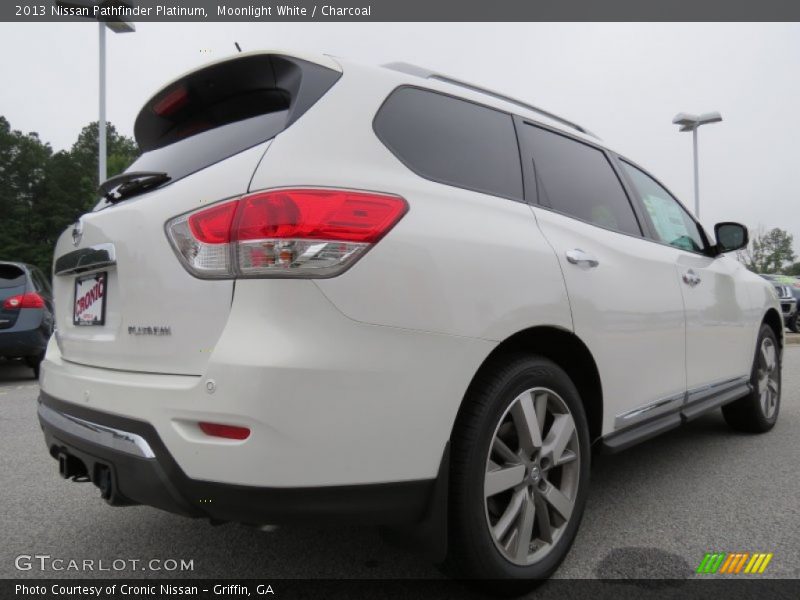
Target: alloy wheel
(532, 476)
(768, 377)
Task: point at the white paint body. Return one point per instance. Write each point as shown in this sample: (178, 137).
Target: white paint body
(358, 378)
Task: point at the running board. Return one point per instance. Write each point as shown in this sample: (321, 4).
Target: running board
(695, 404)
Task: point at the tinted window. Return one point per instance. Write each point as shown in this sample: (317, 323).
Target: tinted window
(577, 179)
(672, 223)
(452, 141)
(204, 149)
(40, 281)
(11, 276)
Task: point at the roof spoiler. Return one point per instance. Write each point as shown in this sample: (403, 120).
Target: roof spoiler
(410, 69)
(202, 99)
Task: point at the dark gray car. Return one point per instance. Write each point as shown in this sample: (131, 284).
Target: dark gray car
(26, 313)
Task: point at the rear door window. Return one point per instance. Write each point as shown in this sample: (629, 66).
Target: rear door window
(578, 180)
(452, 141)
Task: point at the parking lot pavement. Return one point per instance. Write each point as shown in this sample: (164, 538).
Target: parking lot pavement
(653, 511)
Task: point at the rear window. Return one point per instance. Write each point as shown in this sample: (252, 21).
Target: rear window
(452, 141)
(202, 150)
(11, 276)
(225, 108)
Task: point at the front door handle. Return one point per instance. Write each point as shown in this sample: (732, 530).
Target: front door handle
(581, 258)
(691, 278)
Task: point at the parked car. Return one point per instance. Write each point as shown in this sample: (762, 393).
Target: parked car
(26, 313)
(788, 290)
(332, 291)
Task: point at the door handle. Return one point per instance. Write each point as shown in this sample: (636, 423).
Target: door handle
(581, 258)
(691, 278)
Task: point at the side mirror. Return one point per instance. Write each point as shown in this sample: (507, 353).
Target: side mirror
(730, 237)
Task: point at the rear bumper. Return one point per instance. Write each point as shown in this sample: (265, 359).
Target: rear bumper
(129, 462)
(330, 402)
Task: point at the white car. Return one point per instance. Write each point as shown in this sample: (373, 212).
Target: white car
(333, 291)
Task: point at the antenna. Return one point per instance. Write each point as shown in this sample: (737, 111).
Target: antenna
(238, 47)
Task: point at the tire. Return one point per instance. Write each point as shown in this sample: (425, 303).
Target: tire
(758, 411)
(34, 363)
(481, 533)
(793, 325)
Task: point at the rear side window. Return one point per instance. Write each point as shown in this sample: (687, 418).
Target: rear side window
(40, 281)
(11, 276)
(452, 141)
(577, 179)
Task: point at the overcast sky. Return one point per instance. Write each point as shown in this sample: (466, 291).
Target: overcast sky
(624, 82)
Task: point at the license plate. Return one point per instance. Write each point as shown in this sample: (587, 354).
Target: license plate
(90, 300)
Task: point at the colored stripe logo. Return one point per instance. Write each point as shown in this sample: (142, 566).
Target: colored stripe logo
(734, 563)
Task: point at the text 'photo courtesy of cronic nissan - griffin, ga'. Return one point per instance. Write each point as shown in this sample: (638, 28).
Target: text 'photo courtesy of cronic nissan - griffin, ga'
(431, 327)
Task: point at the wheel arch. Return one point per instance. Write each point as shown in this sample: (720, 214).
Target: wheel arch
(775, 321)
(565, 349)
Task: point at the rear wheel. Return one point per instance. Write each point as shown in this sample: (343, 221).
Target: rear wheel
(520, 473)
(34, 362)
(758, 411)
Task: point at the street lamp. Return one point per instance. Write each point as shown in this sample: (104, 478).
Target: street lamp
(691, 123)
(117, 25)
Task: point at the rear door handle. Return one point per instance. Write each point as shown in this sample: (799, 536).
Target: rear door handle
(691, 278)
(581, 258)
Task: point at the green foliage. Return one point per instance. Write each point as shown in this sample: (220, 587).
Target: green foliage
(793, 270)
(769, 252)
(42, 193)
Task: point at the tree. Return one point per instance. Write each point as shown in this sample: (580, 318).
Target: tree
(768, 252)
(121, 152)
(42, 193)
(793, 270)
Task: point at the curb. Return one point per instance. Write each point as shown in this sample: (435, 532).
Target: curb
(792, 339)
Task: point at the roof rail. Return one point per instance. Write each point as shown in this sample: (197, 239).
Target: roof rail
(410, 69)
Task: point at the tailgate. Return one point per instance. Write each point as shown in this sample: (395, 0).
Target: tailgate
(147, 313)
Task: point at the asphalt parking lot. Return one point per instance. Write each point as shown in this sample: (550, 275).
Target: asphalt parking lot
(653, 511)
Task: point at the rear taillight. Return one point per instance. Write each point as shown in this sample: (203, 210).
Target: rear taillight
(29, 300)
(284, 233)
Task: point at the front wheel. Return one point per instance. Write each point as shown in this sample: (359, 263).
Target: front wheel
(758, 411)
(519, 473)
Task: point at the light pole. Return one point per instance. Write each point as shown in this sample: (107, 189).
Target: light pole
(117, 25)
(691, 123)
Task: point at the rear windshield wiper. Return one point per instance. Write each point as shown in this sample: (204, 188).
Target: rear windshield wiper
(126, 185)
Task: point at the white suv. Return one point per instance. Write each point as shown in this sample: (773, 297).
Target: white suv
(327, 290)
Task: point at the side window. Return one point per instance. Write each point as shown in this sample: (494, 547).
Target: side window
(41, 281)
(672, 223)
(577, 179)
(452, 141)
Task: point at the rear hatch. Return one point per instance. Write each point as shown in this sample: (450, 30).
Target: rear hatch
(123, 299)
(13, 282)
